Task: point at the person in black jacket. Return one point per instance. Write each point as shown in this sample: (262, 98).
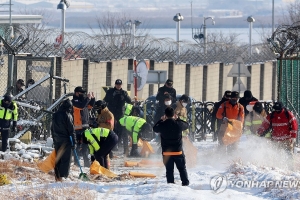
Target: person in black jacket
(62, 128)
(170, 128)
(248, 97)
(162, 91)
(116, 98)
(214, 120)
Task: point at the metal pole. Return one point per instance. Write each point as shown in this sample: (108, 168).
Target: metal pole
(273, 25)
(239, 74)
(133, 34)
(205, 35)
(250, 39)
(10, 20)
(63, 24)
(177, 37)
(10, 70)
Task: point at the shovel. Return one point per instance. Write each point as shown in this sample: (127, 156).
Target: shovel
(82, 175)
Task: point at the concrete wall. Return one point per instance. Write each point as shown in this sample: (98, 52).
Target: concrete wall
(255, 80)
(179, 75)
(212, 90)
(73, 70)
(97, 78)
(267, 94)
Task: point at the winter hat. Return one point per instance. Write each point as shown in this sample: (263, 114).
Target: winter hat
(79, 89)
(248, 94)
(235, 94)
(227, 94)
(66, 105)
(258, 107)
(184, 98)
(7, 98)
(169, 82)
(100, 104)
(278, 106)
(167, 96)
(118, 82)
(21, 81)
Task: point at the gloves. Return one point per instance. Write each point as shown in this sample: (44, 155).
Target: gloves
(225, 120)
(93, 158)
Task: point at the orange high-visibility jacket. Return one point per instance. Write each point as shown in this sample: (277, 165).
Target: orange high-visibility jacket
(231, 112)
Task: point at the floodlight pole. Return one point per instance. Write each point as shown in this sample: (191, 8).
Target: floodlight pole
(273, 9)
(177, 18)
(250, 19)
(205, 33)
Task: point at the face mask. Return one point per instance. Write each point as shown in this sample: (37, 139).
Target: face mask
(184, 104)
(232, 101)
(5, 105)
(167, 103)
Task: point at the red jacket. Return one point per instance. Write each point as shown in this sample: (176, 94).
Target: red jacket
(283, 128)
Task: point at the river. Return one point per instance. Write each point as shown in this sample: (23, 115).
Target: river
(186, 34)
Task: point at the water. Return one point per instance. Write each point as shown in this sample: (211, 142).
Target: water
(186, 34)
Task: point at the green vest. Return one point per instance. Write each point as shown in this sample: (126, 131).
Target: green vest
(8, 114)
(134, 125)
(98, 133)
(128, 109)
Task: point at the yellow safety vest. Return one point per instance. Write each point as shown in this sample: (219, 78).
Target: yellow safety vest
(93, 140)
(128, 109)
(8, 114)
(134, 125)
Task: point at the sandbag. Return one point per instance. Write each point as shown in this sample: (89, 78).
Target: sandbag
(130, 164)
(48, 164)
(233, 132)
(96, 168)
(141, 175)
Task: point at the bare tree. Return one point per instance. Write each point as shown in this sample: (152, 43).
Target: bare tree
(112, 27)
(34, 31)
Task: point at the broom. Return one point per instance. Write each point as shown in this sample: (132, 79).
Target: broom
(82, 175)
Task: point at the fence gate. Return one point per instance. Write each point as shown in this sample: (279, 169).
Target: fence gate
(31, 70)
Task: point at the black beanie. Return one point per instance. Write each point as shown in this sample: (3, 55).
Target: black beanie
(258, 107)
(278, 106)
(248, 94)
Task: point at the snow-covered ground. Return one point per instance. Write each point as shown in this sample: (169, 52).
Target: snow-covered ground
(253, 171)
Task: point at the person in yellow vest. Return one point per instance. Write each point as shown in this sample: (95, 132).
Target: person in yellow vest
(138, 128)
(181, 112)
(254, 119)
(81, 107)
(100, 142)
(8, 112)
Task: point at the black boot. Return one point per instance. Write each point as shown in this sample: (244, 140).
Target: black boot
(134, 151)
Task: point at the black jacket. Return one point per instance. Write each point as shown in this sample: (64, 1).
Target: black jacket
(116, 101)
(245, 102)
(160, 95)
(62, 126)
(171, 134)
(214, 113)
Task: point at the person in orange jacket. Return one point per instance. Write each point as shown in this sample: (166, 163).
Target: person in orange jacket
(81, 107)
(230, 109)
